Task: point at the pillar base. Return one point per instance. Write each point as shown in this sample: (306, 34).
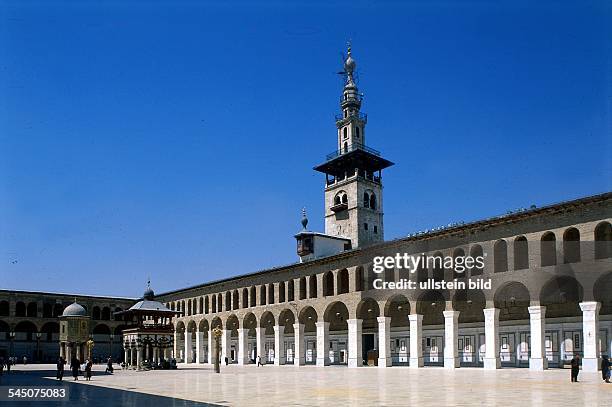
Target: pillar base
(279, 361)
(591, 364)
(322, 362)
(384, 362)
(451, 363)
(415, 363)
(538, 364)
(492, 363)
(298, 361)
(355, 362)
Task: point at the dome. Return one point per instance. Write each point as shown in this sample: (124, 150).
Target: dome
(74, 310)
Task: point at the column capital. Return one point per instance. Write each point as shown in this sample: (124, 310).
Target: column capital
(592, 306)
(382, 320)
(356, 322)
(415, 318)
(451, 314)
(491, 312)
(536, 310)
(297, 326)
(322, 324)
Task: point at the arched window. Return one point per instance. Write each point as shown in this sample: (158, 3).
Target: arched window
(476, 252)
(271, 293)
(303, 288)
(220, 302)
(32, 309)
(253, 296)
(459, 263)
(344, 132)
(228, 301)
(521, 253)
(4, 309)
(328, 284)
(373, 201)
(106, 314)
(357, 132)
(500, 256)
(312, 282)
(262, 295)
(603, 240)
(206, 305)
(359, 279)
(245, 297)
(437, 267)
(366, 200)
(290, 291)
(214, 303)
(20, 309)
(571, 246)
(344, 199)
(95, 314)
(337, 200)
(235, 300)
(343, 281)
(345, 147)
(281, 291)
(548, 249)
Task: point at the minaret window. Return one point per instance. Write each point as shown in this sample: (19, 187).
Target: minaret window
(346, 147)
(372, 201)
(366, 200)
(356, 132)
(345, 132)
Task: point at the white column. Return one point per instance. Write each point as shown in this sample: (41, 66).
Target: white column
(199, 346)
(139, 357)
(211, 358)
(322, 344)
(188, 347)
(537, 322)
(243, 357)
(279, 340)
(491, 360)
(451, 335)
(224, 344)
(298, 338)
(126, 355)
(384, 338)
(261, 351)
(355, 358)
(175, 351)
(590, 332)
(416, 343)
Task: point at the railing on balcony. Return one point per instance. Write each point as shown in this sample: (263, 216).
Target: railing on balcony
(349, 148)
(361, 116)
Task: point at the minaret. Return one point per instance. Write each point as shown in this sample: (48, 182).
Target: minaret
(353, 185)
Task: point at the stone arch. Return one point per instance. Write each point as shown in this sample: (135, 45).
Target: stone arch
(431, 304)
(4, 330)
(286, 318)
(267, 321)
(571, 245)
(262, 294)
(513, 300)
(521, 253)
(47, 310)
(106, 314)
(95, 313)
(119, 330)
(101, 329)
(228, 300)
(32, 310)
(235, 300)
(281, 292)
(213, 301)
(336, 314)
(290, 290)
(328, 284)
(26, 329)
(437, 267)
(271, 293)
(4, 309)
(308, 317)
(245, 297)
(50, 332)
(220, 302)
(203, 326)
(359, 279)
(561, 296)
(603, 240)
(253, 296)
(302, 293)
(397, 308)
(602, 293)
(217, 322)
(470, 304)
(500, 256)
(476, 251)
(548, 249)
(368, 310)
(58, 309)
(459, 265)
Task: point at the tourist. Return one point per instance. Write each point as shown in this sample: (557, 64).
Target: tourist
(605, 369)
(60, 368)
(226, 361)
(74, 366)
(88, 366)
(575, 363)
(25, 360)
(109, 365)
(259, 361)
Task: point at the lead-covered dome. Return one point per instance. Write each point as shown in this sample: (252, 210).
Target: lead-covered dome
(74, 310)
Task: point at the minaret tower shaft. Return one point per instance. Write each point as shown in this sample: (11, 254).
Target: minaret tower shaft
(353, 173)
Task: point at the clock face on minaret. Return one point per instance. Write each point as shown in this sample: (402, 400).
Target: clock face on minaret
(353, 173)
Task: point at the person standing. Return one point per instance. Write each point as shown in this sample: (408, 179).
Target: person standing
(575, 363)
(9, 362)
(25, 360)
(88, 366)
(259, 361)
(109, 365)
(60, 368)
(74, 366)
(605, 369)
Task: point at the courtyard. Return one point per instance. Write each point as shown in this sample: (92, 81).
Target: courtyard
(311, 386)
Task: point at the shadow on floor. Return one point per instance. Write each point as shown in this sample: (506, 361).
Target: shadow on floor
(83, 395)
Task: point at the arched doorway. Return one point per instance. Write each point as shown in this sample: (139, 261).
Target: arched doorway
(398, 308)
(308, 318)
(368, 312)
(431, 305)
(336, 315)
(232, 326)
(250, 324)
(286, 320)
(266, 324)
(471, 334)
(512, 300)
(204, 345)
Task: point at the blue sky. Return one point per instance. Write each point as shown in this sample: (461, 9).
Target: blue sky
(176, 140)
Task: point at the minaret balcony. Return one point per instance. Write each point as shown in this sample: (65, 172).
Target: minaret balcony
(340, 118)
(350, 148)
(339, 207)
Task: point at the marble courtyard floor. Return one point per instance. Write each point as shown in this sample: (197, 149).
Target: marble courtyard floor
(339, 386)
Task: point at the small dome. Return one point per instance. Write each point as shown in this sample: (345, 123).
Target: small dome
(148, 294)
(74, 310)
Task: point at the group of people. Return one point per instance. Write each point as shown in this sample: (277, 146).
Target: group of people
(606, 368)
(75, 367)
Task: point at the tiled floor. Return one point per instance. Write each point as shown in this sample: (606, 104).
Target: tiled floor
(339, 386)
